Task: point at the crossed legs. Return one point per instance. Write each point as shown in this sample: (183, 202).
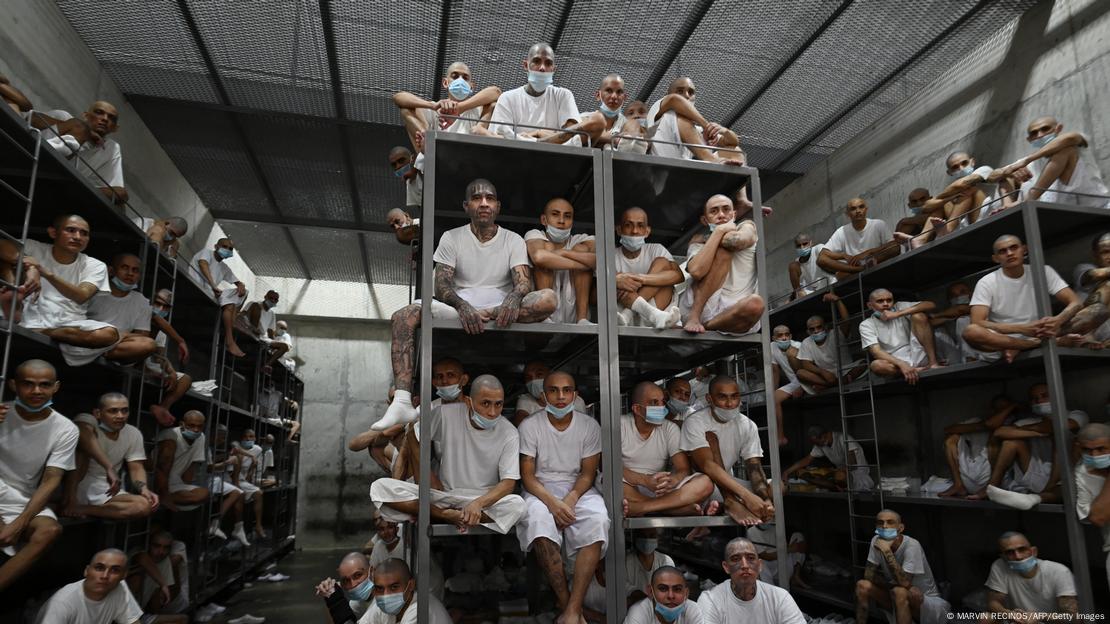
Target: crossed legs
(682, 501)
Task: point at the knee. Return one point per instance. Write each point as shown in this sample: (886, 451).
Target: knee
(46, 533)
(137, 509)
(197, 496)
(547, 299)
(863, 589)
(146, 346)
(753, 306)
(880, 367)
(900, 596)
(919, 317)
(952, 441)
(107, 335)
(704, 486)
(973, 333)
(408, 315)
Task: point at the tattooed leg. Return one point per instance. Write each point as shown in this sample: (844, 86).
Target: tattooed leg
(550, 559)
(404, 324)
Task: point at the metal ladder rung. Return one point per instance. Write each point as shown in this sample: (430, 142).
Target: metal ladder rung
(859, 415)
(20, 196)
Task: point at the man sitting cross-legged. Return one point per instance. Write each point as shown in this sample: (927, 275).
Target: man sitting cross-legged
(124, 308)
(1061, 173)
(564, 262)
(533, 399)
(722, 296)
(560, 451)
(1092, 286)
(106, 436)
(858, 244)
(162, 580)
(898, 336)
(646, 274)
(823, 358)
(898, 576)
(648, 442)
(478, 468)
(970, 448)
(482, 274)
(718, 437)
(843, 452)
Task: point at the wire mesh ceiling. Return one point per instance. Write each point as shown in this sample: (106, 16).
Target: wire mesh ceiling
(281, 112)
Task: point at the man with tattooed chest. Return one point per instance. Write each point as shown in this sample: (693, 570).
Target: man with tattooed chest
(482, 274)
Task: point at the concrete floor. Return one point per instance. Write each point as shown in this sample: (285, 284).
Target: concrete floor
(292, 601)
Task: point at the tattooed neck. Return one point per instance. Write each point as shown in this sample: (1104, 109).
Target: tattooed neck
(483, 232)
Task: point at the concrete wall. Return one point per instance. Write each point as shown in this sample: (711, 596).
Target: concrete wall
(1055, 59)
(347, 377)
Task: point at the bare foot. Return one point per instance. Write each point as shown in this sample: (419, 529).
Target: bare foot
(234, 349)
(570, 617)
(980, 495)
(955, 490)
(626, 508)
(712, 508)
(162, 415)
(693, 326)
(1069, 340)
(742, 515)
(1009, 355)
(932, 366)
(696, 534)
(70, 511)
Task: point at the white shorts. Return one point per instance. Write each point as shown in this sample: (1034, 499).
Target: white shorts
(12, 503)
(504, 512)
(651, 493)
(912, 353)
(791, 387)
(770, 571)
(975, 469)
(592, 523)
(718, 303)
(221, 486)
(230, 296)
(92, 491)
(480, 298)
(80, 356)
(1034, 479)
(716, 495)
(861, 480)
(249, 489)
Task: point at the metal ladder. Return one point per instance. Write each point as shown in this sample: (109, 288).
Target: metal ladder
(7, 316)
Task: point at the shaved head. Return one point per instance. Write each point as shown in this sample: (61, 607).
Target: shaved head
(740, 544)
(178, 225)
(60, 220)
(890, 512)
(1047, 120)
(479, 185)
(554, 377)
(394, 566)
(633, 212)
(879, 292)
(721, 380)
(1094, 431)
(541, 49)
(458, 66)
(29, 366)
(356, 558)
(486, 382)
(957, 155)
(400, 150)
(110, 396)
(1004, 240)
(557, 203)
(644, 391)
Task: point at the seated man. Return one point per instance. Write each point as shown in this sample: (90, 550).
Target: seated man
(450, 380)
(174, 383)
(718, 437)
(1004, 310)
(36, 448)
(180, 449)
(745, 598)
(482, 274)
(262, 320)
(606, 125)
(844, 453)
(560, 451)
(356, 581)
(722, 295)
(678, 400)
(858, 244)
(213, 267)
(282, 335)
(563, 262)
(641, 562)
(166, 233)
(405, 228)
(898, 336)
(908, 229)
(968, 198)
(823, 358)
(13, 97)
(162, 582)
(949, 325)
(105, 433)
(387, 542)
(1092, 287)
(764, 539)
(247, 475)
(666, 601)
(404, 166)
(1025, 473)
(648, 442)
(478, 469)
(1092, 498)
(100, 159)
(537, 103)
(1021, 586)
(68, 280)
(674, 120)
(223, 486)
(394, 594)
(784, 373)
(100, 597)
(806, 276)
(971, 448)
(269, 478)
(1061, 173)
(898, 576)
(533, 399)
(646, 274)
(475, 109)
(699, 387)
(124, 308)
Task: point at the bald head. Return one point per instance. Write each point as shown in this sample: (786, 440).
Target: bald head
(1093, 432)
(1005, 241)
(738, 545)
(559, 378)
(399, 151)
(193, 417)
(393, 566)
(62, 220)
(889, 514)
(541, 49)
(458, 68)
(354, 559)
(486, 383)
(646, 391)
(878, 293)
(1042, 122)
(178, 225)
(34, 367)
(479, 186)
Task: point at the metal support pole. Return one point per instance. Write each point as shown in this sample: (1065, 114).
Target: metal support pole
(424, 517)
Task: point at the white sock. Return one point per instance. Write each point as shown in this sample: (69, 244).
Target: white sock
(646, 311)
(399, 412)
(1017, 500)
(402, 397)
(238, 527)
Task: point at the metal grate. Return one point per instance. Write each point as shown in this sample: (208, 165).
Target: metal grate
(331, 254)
(378, 189)
(265, 248)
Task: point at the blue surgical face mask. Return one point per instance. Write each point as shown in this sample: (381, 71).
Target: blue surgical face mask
(1101, 462)
(632, 243)
(1022, 566)
(269, 305)
(535, 388)
(225, 253)
(803, 252)
(448, 393)
(726, 415)
(670, 614)
(361, 593)
(27, 408)
(560, 412)
(647, 545)
(122, 285)
(391, 604)
(608, 112)
(190, 435)
(1042, 141)
(820, 337)
(678, 406)
(540, 81)
(481, 421)
(877, 314)
(168, 238)
(783, 345)
(887, 534)
(655, 414)
(557, 235)
(247, 444)
(961, 300)
(1041, 409)
(966, 171)
(915, 210)
(459, 88)
(162, 313)
(403, 171)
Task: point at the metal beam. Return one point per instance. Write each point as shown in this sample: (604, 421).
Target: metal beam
(302, 222)
(252, 158)
(140, 99)
(816, 134)
(441, 49)
(561, 25)
(758, 93)
(693, 18)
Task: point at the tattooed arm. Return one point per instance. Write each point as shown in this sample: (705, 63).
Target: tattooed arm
(522, 285)
(445, 292)
(760, 486)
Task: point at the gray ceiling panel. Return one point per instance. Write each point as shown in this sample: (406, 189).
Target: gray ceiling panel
(390, 262)
(331, 254)
(265, 248)
(378, 189)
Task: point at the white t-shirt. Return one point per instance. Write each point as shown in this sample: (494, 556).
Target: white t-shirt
(528, 403)
(1085, 179)
(52, 308)
(27, 448)
(635, 576)
(185, 454)
(96, 161)
(911, 558)
(643, 612)
(778, 356)
(823, 355)
(469, 119)
(482, 265)
(811, 272)
(741, 278)
(219, 269)
(771, 605)
(559, 454)
(474, 459)
(1087, 488)
(846, 239)
(889, 335)
(268, 460)
(436, 614)
(550, 109)
(651, 455)
(738, 438)
(1037, 594)
(835, 452)
(245, 463)
(382, 551)
(414, 191)
(127, 448)
(70, 605)
(267, 320)
(1012, 300)
(128, 313)
(641, 263)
